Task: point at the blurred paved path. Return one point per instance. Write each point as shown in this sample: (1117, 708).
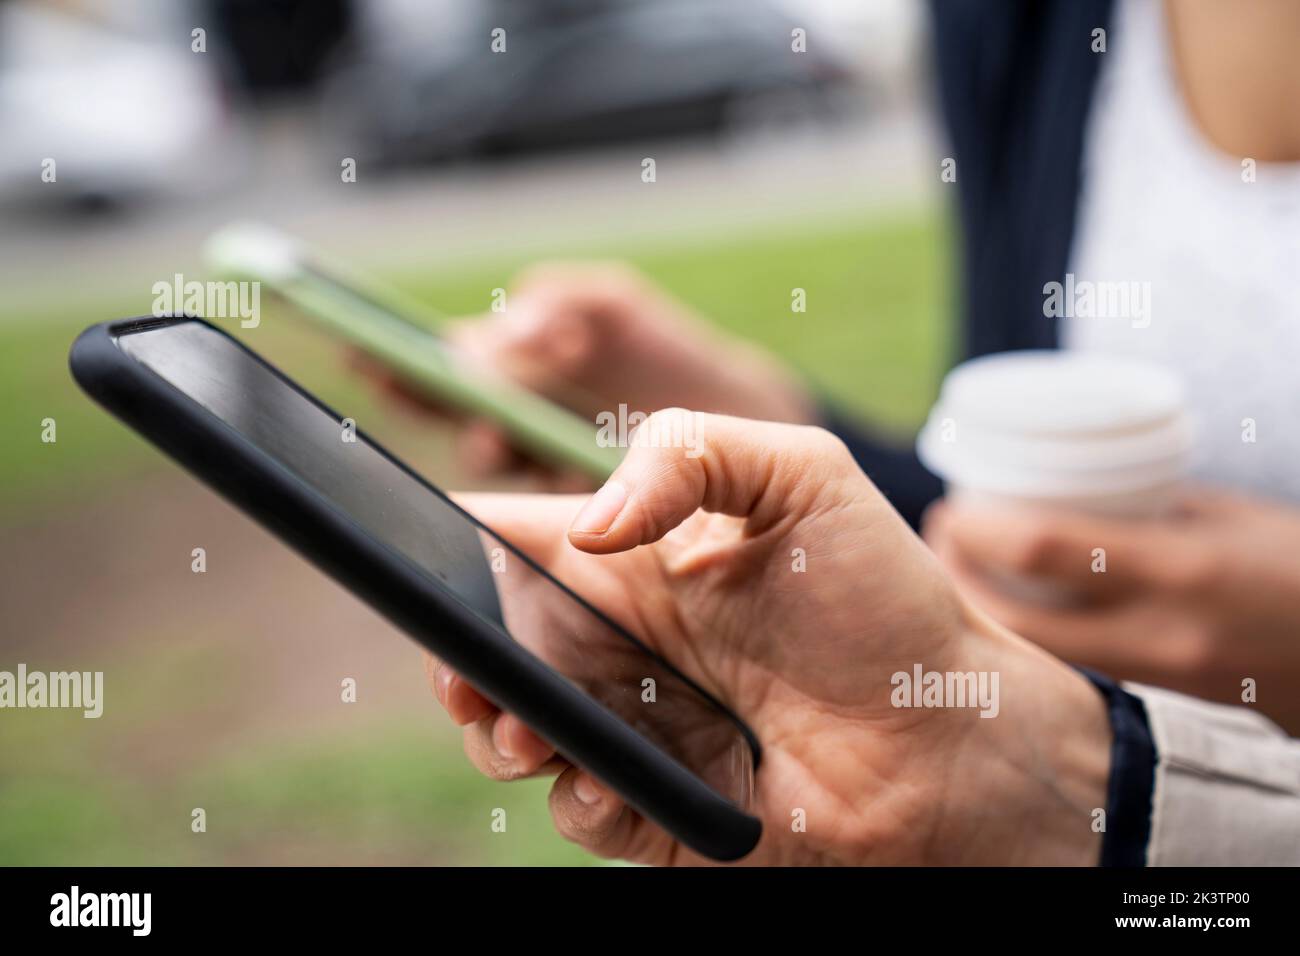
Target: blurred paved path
(255, 648)
(438, 218)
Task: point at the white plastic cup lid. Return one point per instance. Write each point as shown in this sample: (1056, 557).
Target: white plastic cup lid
(1058, 424)
(1041, 391)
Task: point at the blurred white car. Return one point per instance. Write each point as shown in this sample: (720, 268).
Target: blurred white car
(120, 116)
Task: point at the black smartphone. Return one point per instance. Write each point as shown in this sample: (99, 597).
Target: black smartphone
(606, 701)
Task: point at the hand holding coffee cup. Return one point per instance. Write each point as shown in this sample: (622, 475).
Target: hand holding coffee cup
(1103, 435)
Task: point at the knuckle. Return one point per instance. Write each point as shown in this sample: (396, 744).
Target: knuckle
(1189, 570)
(816, 450)
(1032, 550)
(674, 415)
(1199, 651)
(829, 445)
(668, 436)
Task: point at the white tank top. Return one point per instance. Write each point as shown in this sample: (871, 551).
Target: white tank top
(1220, 257)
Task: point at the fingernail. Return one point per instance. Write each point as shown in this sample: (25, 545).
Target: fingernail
(599, 513)
(499, 740)
(585, 789)
(445, 677)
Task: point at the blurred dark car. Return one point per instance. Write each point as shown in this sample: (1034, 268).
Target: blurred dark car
(578, 72)
(279, 45)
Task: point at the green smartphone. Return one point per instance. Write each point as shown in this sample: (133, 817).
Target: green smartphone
(401, 333)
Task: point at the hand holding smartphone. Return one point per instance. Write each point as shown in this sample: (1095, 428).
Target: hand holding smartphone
(529, 643)
(402, 334)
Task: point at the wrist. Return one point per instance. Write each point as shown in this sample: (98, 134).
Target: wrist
(1046, 757)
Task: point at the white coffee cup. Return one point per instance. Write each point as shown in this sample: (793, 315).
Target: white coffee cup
(1087, 432)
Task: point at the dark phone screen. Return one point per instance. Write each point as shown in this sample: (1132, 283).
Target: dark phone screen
(479, 569)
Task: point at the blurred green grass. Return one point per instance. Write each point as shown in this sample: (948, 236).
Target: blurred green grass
(383, 792)
(874, 338)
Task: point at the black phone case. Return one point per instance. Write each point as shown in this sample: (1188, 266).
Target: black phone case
(581, 729)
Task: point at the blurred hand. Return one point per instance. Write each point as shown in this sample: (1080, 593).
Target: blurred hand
(594, 336)
(1196, 603)
(694, 555)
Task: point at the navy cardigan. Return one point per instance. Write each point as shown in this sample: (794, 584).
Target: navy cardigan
(1015, 81)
